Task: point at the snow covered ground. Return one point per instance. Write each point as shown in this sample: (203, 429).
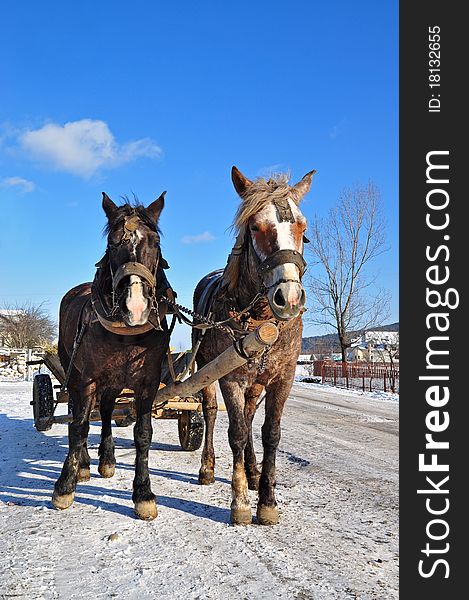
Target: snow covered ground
(337, 491)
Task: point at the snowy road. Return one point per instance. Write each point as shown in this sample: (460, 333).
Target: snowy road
(337, 490)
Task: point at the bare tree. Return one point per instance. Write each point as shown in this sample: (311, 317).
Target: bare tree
(26, 326)
(343, 290)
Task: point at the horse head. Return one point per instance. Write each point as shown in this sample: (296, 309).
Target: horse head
(133, 252)
(272, 225)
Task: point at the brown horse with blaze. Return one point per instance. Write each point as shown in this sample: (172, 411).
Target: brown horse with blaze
(261, 282)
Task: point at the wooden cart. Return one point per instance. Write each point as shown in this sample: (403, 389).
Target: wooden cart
(174, 400)
(47, 395)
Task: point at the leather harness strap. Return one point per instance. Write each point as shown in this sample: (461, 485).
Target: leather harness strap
(280, 258)
(117, 327)
(133, 268)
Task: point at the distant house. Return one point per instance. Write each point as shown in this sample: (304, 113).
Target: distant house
(375, 346)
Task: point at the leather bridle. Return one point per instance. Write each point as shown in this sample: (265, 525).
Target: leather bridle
(276, 259)
(109, 319)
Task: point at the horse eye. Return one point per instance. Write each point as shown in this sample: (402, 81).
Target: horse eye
(254, 228)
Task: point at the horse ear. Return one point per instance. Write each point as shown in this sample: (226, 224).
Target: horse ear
(240, 182)
(154, 209)
(108, 206)
(302, 187)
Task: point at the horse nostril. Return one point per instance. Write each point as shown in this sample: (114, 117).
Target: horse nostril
(302, 301)
(279, 298)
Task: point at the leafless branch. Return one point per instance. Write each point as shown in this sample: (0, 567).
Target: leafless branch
(342, 246)
(26, 326)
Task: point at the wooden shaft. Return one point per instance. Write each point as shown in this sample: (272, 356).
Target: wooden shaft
(183, 405)
(229, 360)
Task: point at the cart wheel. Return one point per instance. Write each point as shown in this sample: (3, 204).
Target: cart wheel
(191, 429)
(43, 401)
(124, 421)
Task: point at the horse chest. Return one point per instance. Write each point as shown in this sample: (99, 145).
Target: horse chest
(120, 365)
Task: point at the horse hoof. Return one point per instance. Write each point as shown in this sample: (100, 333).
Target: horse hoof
(241, 516)
(267, 515)
(206, 478)
(62, 502)
(146, 510)
(106, 470)
(83, 474)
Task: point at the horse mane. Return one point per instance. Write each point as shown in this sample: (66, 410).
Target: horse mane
(257, 196)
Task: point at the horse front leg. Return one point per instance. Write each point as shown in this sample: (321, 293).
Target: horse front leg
(107, 459)
(250, 462)
(84, 471)
(210, 409)
(84, 460)
(267, 510)
(237, 437)
(65, 486)
(143, 497)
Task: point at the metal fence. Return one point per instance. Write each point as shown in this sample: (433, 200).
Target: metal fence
(359, 376)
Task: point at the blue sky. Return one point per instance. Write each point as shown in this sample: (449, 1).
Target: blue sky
(148, 96)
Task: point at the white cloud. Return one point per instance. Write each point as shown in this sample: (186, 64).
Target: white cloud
(83, 147)
(206, 236)
(23, 185)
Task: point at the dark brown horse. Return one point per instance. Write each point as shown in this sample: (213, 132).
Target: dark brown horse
(267, 259)
(123, 338)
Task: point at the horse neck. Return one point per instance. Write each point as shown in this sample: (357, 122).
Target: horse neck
(103, 281)
(248, 281)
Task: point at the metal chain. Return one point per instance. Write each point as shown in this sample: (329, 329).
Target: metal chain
(263, 360)
(206, 320)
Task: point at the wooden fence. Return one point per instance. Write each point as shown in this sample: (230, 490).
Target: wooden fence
(359, 375)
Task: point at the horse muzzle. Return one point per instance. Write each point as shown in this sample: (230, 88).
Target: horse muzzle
(137, 305)
(287, 299)
(281, 274)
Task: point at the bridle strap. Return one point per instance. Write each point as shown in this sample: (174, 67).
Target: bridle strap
(133, 268)
(117, 327)
(280, 258)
